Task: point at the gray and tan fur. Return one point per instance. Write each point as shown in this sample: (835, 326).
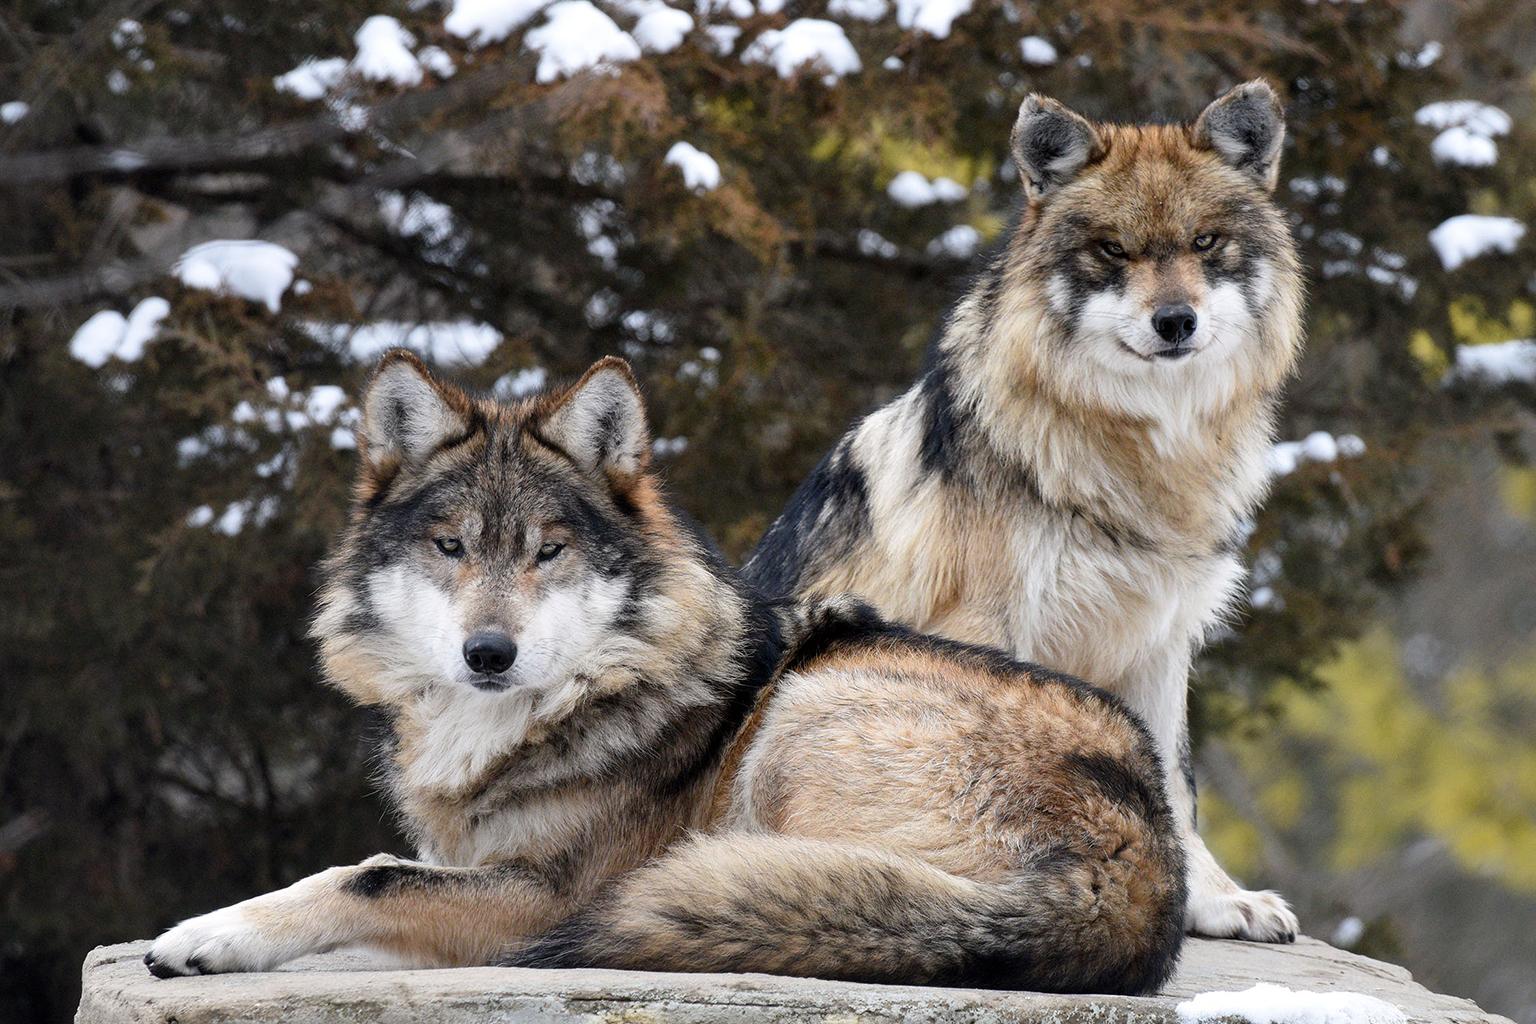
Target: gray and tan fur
(1068, 477)
(611, 752)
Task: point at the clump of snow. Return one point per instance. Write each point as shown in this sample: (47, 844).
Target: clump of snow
(662, 29)
(425, 219)
(521, 384)
(959, 242)
(576, 36)
(1497, 363)
(1482, 118)
(669, 447)
(313, 78)
(872, 243)
(127, 34)
(700, 171)
(13, 111)
(1037, 50)
(445, 342)
(436, 60)
(1464, 147)
(859, 10)
(805, 41)
(1349, 931)
(384, 52)
(935, 17)
(1318, 446)
(722, 38)
(1275, 1004)
(118, 82)
(1471, 235)
(911, 189)
(735, 8)
(109, 334)
(259, 271)
(489, 21)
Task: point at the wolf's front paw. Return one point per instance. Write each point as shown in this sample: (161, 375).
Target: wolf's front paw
(1227, 912)
(225, 940)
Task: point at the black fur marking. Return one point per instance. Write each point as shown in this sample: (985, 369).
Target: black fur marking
(794, 541)
(944, 423)
(1187, 770)
(1118, 781)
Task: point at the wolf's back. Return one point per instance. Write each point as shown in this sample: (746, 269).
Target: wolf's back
(782, 905)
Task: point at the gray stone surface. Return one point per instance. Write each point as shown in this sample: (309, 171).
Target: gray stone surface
(334, 989)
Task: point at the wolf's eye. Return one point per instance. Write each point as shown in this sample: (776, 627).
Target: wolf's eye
(450, 546)
(1203, 242)
(1114, 249)
(549, 550)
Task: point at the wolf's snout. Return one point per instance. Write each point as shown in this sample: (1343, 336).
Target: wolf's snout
(1175, 324)
(490, 653)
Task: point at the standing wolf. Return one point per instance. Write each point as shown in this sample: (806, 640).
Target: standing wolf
(1068, 478)
(602, 737)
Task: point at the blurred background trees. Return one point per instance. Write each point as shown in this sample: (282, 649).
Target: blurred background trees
(174, 443)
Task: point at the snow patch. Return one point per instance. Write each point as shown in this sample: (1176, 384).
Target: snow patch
(576, 36)
(1275, 1004)
(313, 78)
(911, 189)
(1471, 235)
(935, 17)
(1349, 931)
(805, 41)
(445, 342)
(258, 271)
(1479, 117)
(483, 22)
(872, 243)
(959, 242)
(859, 10)
(13, 111)
(1497, 363)
(700, 171)
(1037, 50)
(528, 381)
(110, 335)
(1464, 147)
(1319, 446)
(662, 29)
(384, 52)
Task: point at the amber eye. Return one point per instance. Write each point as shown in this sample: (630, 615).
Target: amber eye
(450, 546)
(1204, 242)
(549, 551)
(1114, 249)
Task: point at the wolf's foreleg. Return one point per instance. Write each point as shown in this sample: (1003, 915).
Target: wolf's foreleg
(1218, 905)
(426, 915)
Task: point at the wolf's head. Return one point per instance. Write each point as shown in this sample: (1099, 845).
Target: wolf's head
(511, 552)
(1164, 270)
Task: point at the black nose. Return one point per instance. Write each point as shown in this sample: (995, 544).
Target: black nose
(1174, 324)
(490, 653)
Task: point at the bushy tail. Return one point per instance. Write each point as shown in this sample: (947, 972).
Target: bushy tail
(781, 905)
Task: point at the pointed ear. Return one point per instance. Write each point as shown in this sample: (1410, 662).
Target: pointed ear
(1245, 127)
(600, 421)
(407, 413)
(1051, 144)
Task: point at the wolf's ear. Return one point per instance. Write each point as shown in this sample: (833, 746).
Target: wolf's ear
(1051, 144)
(600, 421)
(407, 413)
(1245, 127)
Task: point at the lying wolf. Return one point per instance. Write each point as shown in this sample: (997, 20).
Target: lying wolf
(1068, 478)
(611, 753)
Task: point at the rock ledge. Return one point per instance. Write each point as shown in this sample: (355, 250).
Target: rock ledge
(333, 990)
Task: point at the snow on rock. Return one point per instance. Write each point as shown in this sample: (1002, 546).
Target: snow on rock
(1496, 363)
(445, 342)
(109, 334)
(259, 271)
(384, 52)
(1319, 446)
(313, 78)
(13, 111)
(935, 17)
(859, 10)
(911, 189)
(805, 41)
(1275, 1004)
(1037, 50)
(489, 21)
(959, 242)
(1478, 117)
(700, 171)
(662, 29)
(1464, 147)
(1471, 235)
(576, 36)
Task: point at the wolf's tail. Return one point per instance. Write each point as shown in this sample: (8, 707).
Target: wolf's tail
(781, 905)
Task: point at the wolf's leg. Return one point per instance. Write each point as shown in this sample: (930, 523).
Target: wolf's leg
(427, 915)
(1218, 905)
